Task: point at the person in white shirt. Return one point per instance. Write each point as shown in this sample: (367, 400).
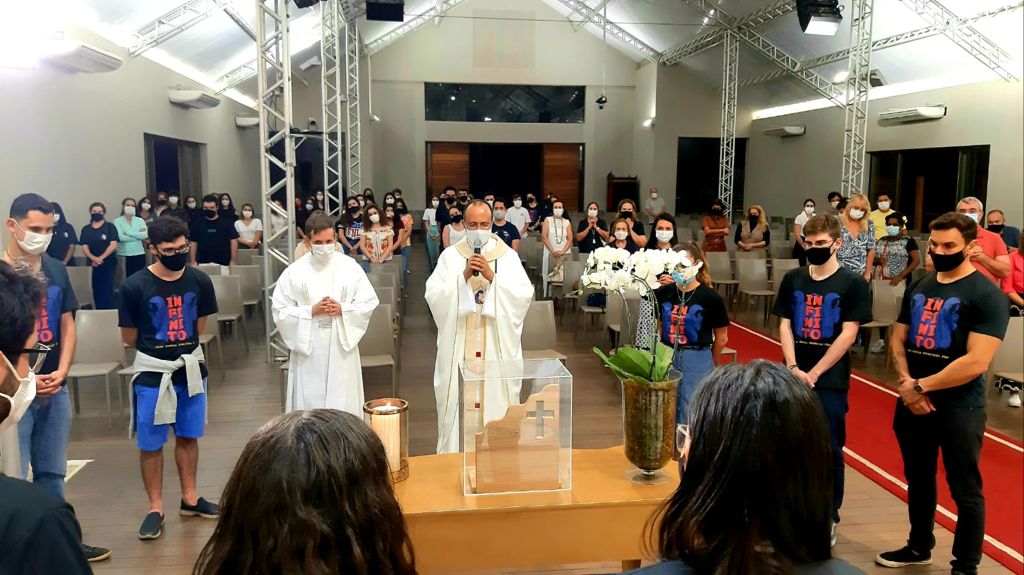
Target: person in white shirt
(655, 205)
(250, 229)
(798, 231)
(518, 215)
(431, 231)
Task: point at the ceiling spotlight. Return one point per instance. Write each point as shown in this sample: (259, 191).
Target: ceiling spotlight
(374, 118)
(819, 17)
(453, 98)
(841, 77)
(601, 101)
(649, 122)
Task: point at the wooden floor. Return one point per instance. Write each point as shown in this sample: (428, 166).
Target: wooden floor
(110, 502)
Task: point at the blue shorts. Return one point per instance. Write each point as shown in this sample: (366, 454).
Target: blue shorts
(190, 421)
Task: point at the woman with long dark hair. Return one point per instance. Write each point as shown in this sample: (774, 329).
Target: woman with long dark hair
(311, 493)
(65, 238)
(755, 492)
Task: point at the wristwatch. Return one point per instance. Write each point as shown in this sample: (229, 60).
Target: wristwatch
(917, 386)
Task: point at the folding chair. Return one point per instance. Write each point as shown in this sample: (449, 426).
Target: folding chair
(251, 281)
(81, 283)
(211, 269)
(884, 311)
(721, 272)
(229, 300)
(211, 333)
(99, 342)
(539, 338)
(377, 348)
(753, 278)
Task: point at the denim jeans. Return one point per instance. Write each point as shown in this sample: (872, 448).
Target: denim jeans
(958, 432)
(43, 437)
(405, 265)
(693, 364)
(103, 285)
(836, 403)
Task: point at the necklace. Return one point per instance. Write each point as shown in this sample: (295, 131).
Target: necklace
(560, 231)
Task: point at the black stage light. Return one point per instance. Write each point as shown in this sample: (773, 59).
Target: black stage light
(819, 17)
(385, 10)
(306, 3)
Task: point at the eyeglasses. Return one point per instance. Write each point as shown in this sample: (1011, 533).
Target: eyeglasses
(172, 251)
(37, 355)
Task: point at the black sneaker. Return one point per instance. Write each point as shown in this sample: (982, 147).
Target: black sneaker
(202, 508)
(152, 526)
(95, 553)
(903, 557)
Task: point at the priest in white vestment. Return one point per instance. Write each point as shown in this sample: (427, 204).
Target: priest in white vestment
(322, 304)
(478, 317)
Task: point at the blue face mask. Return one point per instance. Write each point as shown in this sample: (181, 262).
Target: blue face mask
(680, 280)
(892, 230)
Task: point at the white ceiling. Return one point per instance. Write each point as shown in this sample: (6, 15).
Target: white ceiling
(217, 45)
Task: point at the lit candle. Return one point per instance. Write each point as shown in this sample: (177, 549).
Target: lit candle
(386, 422)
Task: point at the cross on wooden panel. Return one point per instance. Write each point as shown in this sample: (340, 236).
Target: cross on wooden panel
(539, 407)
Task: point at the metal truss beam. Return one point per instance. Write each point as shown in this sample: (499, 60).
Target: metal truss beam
(433, 13)
(765, 48)
(861, 14)
(353, 133)
(714, 36)
(727, 151)
(964, 35)
(614, 30)
(274, 82)
(237, 19)
(882, 44)
(171, 23)
(577, 26)
(333, 97)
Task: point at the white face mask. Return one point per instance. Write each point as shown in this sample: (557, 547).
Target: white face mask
(621, 235)
(973, 217)
(34, 244)
(375, 218)
(592, 213)
(225, 203)
(490, 203)
(835, 204)
(146, 207)
(435, 203)
(884, 206)
(247, 213)
(517, 203)
(129, 210)
(809, 210)
(557, 212)
(856, 214)
(389, 214)
(56, 218)
(654, 195)
(477, 238)
(173, 200)
(191, 205)
(499, 215)
(321, 252)
(21, 398)
(320, 197)
(663, 235)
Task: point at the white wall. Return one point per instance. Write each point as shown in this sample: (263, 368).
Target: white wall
(78, 138)
(782, 171)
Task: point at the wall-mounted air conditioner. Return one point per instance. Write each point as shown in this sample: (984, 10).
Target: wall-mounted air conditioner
(786, 131)
(193, 98)
(247, 121)
(78, 57)
(918, 114)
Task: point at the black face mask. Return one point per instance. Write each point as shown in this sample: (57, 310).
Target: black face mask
(210, 214)
(531, 200)
(174, 263)
(353, 210)
(626, 215)
(947, 262)
(464, 200)
(457, 219)
(449, 200)
(96, 217)
(996, 228)
(818, 256)
(716, 211)
(754, 217)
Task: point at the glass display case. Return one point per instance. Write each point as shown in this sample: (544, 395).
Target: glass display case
(516, 421)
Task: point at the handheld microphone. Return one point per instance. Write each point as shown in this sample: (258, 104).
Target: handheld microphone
(476, 251)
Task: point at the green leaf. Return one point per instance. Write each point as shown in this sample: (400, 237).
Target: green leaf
(614, 368)
(664, 362)
(634, 361)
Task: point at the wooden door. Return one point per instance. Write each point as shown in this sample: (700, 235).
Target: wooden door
(447, 165)
(563, 166)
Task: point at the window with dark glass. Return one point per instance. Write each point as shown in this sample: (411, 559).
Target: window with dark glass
(505, 103)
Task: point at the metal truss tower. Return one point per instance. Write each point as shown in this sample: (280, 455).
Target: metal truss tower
(334, 96)
(274, 103)
(353, 140)
(856, 105)
(727, 152)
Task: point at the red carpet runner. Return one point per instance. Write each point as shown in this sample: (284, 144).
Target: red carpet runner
(872, 450)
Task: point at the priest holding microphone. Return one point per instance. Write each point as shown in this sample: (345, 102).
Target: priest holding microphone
(479, 295)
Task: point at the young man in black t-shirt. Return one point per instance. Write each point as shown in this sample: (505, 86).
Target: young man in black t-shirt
(503, 228)
(950, 326)
(164, 309)
(214, 238)
(821, 308)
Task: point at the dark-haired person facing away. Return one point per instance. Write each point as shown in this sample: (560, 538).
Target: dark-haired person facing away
(214, 239)
(950, 326)
(164, 308)
(38, 532)
(64, 239)
(44, 429)
(821, 309)
(752, 424)
(322, 502)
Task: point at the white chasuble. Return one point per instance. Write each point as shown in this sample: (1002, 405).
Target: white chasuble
(324, 369)
(476, 320)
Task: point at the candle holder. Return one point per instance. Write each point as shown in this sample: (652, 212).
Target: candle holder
(389, 419)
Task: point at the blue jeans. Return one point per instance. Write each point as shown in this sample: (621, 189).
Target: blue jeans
(405, 264)
(43, 439)
(433, 245)
(366, 265)
(836, 403)
(694, 365)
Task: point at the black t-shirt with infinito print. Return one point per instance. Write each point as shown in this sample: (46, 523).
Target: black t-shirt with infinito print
(940, 316)
(816, 311)
(167, 316)
(60, 299)
(689, 320)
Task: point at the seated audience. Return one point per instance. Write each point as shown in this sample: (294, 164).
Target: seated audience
(321, 502)
(592, 233)
(64, 239)
(753, 234)
(754, 424)
(996, 221)
(38, 532)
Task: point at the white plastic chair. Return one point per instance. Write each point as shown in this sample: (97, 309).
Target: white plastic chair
(539, 338)
(377, 348)
(98, 352)
(229, 302)
(81, 282)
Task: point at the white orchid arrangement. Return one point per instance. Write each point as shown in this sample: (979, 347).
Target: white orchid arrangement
(615, 270)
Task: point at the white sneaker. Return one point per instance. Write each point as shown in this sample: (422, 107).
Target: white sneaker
(834, 526)
(1014, 400)
(878, 346)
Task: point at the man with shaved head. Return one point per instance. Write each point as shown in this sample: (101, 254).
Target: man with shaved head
(479, 295)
